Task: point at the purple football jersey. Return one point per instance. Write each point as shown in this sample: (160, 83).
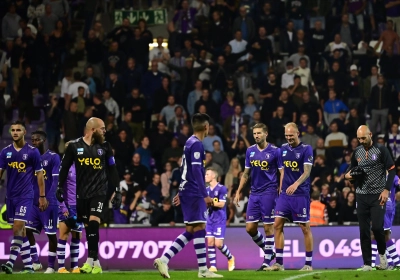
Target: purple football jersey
(70, 186)
(393, 189)
(21, 167)
(217, 215)
(51, 166)
(192, 169)
(293, 160)
(264, 167)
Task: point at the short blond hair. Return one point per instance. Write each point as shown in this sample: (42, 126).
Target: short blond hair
(214, 171)
(291, 124)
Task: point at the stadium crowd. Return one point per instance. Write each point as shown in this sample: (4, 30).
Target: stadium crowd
(329, 66)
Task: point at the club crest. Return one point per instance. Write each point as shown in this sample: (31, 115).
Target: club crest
(373, 157)
(25, 156)
(45, 163)
(267, 156)
(100, 152)
(297, 155)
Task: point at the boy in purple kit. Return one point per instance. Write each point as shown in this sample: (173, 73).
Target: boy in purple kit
(216, 221)
(294, 199)
(68, 223)
(194, 201)
(47, 219)
(21, 161)
(262, 165)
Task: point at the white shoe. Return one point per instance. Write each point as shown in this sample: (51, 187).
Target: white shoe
(213, 269)
(36, 266)
(49, 270)
(208, 274)
(383, 262)
(366, 268)
(306, 268)
(275, 267)
(162, 268)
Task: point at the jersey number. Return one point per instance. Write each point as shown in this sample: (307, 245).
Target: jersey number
(100, 207)
(22, 209)
(184, 168)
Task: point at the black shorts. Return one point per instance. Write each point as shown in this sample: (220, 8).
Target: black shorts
(90, 207)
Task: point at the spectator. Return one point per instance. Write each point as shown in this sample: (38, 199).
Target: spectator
(127, 124)
(194, 96)
(172, 153)
(354, 88)
(232, 124)
(250, 107)
(144, 152)
(370, 81)
(267, 17)
(154, 191)
(318, 211)
(332, 107)
(150, 83)
(388, 64)
(232, 176)
(178, 121)
(176, 83)
(160, 140)
(25, 96)
(162, 96)
(132, 76)
(296, 91)
(188, 51)
(122, 35)
(244, 82)
(94, 51)
(300, 54)
(238, 45)
(245, 24)
(35, 11)
(346, 163)
(184, 18)
(48, 21)
(393, 13)
(70, 123)
(99, 109)
(288, 77)
(219, 33)
(73, 89)
(81, 100)
(356, 8)
(262, 52)
(168, 112)
(53, 124)
(220, 157)
(288, 39)
(124, 148)
(348, 211)
(208, 141)
(121, 214)
(343, 122)
(209, 163)
(159, 54)
(290, 110)
(392, 138)
(305, 73)
(302, 125)
(336, 141)
(325, 195)
(389, 38)
(379, 104)
(117, 89)
(93, 82)
(276, 126)
(163, 215)
(139, 172)
(320, 149)
(114, 60)
(111, 104)
(165, 180)
(139, 48)
(333, 210)
(347, 31)
(10, 23)
(184, 135)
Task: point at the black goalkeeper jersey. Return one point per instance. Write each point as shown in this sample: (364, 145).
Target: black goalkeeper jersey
(91, 164)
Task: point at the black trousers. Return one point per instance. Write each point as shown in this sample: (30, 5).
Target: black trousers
(370, 217)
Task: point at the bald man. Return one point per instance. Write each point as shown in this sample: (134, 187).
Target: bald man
(294, 201)
(368, 167)
(95, 166)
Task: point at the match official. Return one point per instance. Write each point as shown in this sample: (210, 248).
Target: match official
(369, 164)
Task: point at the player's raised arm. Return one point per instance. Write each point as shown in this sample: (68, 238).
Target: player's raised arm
(66, 162)
(113, 177)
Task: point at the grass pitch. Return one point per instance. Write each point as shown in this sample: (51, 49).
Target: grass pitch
(234, 275)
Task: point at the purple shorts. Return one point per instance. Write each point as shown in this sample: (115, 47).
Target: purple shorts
(194, 210)
(215, 230)
(46, 220)
(389, 216)
(18, 209)
(71, 213)
(261, 208)
(293, 208)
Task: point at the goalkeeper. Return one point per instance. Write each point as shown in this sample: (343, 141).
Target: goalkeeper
(368, 167)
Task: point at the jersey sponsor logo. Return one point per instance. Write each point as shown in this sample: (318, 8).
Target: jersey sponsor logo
(252, 154)
(196, 155)
(25, 156)
(79, 151)
(9, 154)
(284, 153)
(20, 166)
(263, 164)
(297, 155)
(94, 162)
(45, 163)
(100, 152)
(374, 157)
(294, 165)
(267, 156)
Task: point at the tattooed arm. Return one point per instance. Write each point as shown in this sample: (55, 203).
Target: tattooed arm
(303, 177)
